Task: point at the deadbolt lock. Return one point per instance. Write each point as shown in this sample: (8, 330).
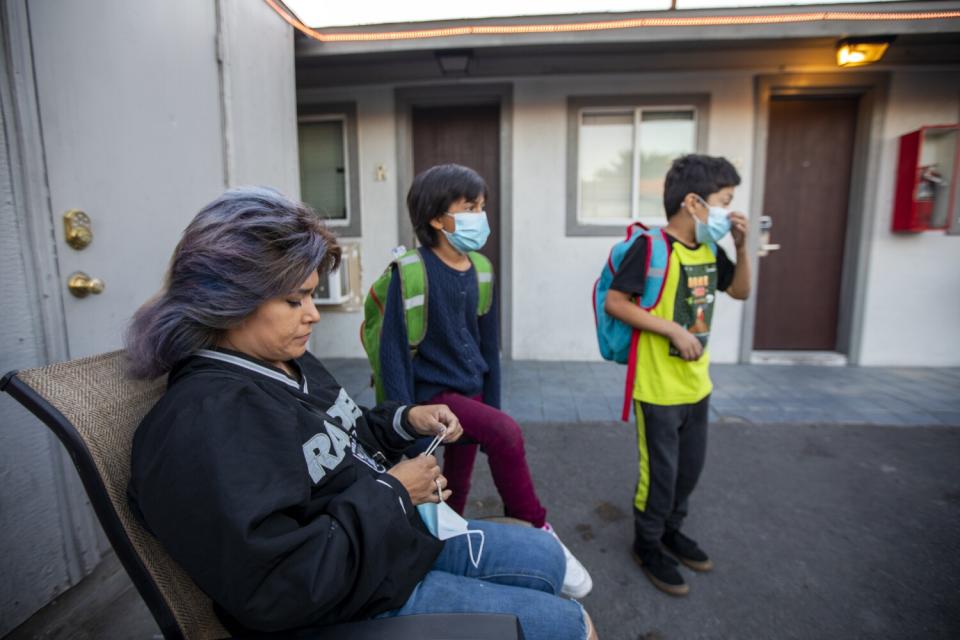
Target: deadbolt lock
(76, 229)
(81, 285)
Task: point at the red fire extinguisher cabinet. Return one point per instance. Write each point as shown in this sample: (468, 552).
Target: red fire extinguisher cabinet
(927, 175)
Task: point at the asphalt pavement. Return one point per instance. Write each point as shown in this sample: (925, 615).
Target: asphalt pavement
(838, 531)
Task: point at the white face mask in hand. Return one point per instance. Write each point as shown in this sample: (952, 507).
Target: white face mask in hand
(445, 523)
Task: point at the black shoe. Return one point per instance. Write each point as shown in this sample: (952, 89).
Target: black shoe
(662, 571)
(686, 551)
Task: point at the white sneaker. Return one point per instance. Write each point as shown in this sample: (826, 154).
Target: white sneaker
(576, 581)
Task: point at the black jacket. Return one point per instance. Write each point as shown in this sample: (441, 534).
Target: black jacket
(273, 497)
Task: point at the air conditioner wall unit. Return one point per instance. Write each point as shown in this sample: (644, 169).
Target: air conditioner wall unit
(341, 288)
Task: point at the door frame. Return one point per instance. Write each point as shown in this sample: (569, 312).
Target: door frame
(84, 541)
(406, 98)
(871, 88)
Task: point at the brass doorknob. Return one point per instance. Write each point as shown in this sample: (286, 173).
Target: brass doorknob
(81, 285)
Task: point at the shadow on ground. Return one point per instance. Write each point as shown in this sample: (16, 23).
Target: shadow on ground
(816, 532)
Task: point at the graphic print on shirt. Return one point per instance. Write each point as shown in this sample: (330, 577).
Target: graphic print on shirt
(324, 452)
(693, 307)
(345, 409)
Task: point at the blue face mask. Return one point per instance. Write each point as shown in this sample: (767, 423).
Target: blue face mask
(442, 521)
(445, 523)
(471, 232)
(716, 226)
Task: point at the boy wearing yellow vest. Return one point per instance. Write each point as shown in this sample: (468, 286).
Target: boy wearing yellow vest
(672, 389)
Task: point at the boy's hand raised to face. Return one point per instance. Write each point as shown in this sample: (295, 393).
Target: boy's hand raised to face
(686, 343)
(738, 229)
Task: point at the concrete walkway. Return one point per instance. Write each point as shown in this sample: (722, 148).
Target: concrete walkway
(757, 394)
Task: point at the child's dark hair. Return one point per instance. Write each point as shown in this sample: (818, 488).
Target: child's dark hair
(434, 190)
(699, 174)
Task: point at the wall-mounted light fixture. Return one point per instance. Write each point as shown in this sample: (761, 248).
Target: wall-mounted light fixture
(454, 62)
(856, 52)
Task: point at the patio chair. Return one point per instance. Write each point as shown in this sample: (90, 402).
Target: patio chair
(94, 410)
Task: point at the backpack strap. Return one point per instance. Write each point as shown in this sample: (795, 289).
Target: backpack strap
(635, 227)
(631, 376)
(484, 269)
(413, 287)
(658, 266)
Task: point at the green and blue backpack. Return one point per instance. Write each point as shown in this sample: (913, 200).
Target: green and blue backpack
(414, 287)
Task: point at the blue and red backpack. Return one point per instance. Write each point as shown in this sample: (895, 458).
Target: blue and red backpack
(618, 341)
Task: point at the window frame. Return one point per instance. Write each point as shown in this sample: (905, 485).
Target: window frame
(346, 113)
(699, 103)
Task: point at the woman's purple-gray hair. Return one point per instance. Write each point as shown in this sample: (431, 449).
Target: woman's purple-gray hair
(249, 245)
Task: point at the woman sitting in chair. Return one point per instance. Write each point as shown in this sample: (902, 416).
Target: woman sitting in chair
(283, 500)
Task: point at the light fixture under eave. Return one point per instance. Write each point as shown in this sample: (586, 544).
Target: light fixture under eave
(856, 52)
(454, 62)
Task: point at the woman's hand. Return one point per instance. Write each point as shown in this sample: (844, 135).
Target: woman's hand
(430, 420)
(419, 476)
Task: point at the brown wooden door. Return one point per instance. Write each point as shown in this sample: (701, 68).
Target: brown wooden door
(470, 136)
(809, 155)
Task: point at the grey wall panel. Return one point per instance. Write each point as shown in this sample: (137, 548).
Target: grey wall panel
(259, 96)
(31, 538)
(147, 111)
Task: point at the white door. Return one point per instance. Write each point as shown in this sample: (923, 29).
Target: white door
(130, 109)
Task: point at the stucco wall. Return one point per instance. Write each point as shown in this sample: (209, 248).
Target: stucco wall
(912, 306)
(554, 274)
(259, 83)
(338, 334)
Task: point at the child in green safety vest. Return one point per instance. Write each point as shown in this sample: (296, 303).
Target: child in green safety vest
(437, 342)
(672, 386)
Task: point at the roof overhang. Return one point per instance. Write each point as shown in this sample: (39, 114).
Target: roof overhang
(703, 25)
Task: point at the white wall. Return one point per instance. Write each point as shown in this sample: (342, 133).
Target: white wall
(338, 334)
(553, 273)
(912, 302)
(259, 97)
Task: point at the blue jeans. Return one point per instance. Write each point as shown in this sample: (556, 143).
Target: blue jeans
(521, 573)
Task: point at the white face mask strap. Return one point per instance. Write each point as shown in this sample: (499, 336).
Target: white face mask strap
(705, 204)
(475, 560)
(436, 441)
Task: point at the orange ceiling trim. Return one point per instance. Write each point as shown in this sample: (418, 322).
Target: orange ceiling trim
(606, 25)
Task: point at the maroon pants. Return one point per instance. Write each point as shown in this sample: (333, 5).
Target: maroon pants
(499, 436)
